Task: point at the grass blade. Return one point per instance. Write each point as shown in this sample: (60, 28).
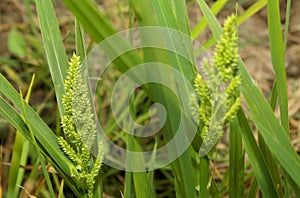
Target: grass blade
(19, 156)
(236, 161)
(260, 168)
(204, 176)
(241, 19)
(215, 8)
(268, 156)
(209, 16)
(46, 139)
(253, 189)
(175, 19)
(37, 148)
(142, 184)
(287, 23)
(277, 54)
(14, 171)
(182, 166)
(88, 14)
(271, 131)
(79, 40)
(251, 11)
(54, 48)
(42, 132)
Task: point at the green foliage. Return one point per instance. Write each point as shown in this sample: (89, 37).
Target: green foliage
(272, 163)
(16, 43)
(80, 137)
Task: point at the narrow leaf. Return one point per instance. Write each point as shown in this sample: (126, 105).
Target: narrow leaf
(236, 161)
(55, 52)
(16, 43)
(44, 136)
(260, 168)
(277, 54)
(215, 8)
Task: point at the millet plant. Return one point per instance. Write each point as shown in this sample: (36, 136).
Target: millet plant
(272, 167)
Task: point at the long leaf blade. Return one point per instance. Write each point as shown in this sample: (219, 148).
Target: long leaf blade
(54, 48)
(277, 54)
(260, 168)
(236, 161)
(45, 137)
(172, 14)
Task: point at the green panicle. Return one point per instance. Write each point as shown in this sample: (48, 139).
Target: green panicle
(233, 85)
(79, 128)
(217, 105)
(86, 126)
(226, 52)
(194, 105)
(233, 109)
(69, 151)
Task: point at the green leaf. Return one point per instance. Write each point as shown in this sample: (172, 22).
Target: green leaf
(55, 52)
(268, 156)
(141, 181)
(256, 159)
(204, 176)
(277, 54)
(37, 148)
(19, 157)
(215, 8)
(251, 11)
(88, 14)
(253, 189)
(171, 14)
(177, 20)
(241, 19)
(46, 139)
(287, 23)
(209, 16)
(236, 161)
(15, 172)
(16, 43)
(79, 38)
